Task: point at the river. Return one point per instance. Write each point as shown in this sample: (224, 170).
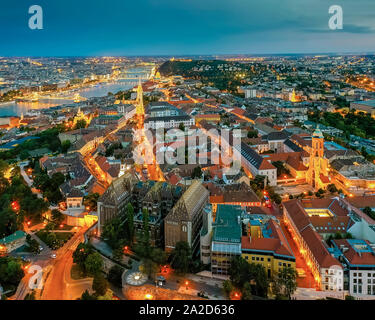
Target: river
(17, 108)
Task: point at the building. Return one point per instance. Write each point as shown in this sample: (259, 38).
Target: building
(250, 92)
(358, 257)
(12, 242)
(364, 226)
(327, 271)
(317, 173)
(265, 244)
(367, 107)
(254, 164)
(158, 198)
(82, 140)
(184, 222)
(115, 198)
(209, 117)
(234, 194)
(162, 114)
(276, 140)
(138, 102)
(206, 235)
(226, 238)
(355, 176)
(168, 122)
(76, 213)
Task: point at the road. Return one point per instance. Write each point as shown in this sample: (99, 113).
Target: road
(58, 284)
(152, 167)
(29, 181)
(302, 282)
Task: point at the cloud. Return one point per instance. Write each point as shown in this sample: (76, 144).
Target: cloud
(347, 28)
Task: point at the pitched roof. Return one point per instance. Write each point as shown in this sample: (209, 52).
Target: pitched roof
(254, 158)
(296, 163)
(318, 248)
(359, 252)
(290, 144)
(297, 213)
(275, 136)
(186, 206)
(275, 241)
(362, 201)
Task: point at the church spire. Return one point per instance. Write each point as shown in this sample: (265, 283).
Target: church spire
(140, 108)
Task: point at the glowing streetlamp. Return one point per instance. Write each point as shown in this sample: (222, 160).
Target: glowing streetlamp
(148, 296)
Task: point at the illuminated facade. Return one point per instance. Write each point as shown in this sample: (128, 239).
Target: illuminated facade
(327, 271)
(317, 174)
(265, 244)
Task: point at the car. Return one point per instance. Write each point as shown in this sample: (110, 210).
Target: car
(53, 255)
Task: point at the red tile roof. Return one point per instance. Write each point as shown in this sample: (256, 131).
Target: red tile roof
(354, 258)
(277, 243)
(318, 248)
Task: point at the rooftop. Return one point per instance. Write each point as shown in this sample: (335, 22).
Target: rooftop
(227, 226)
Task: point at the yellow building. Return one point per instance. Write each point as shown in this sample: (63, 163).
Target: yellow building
(266, 244)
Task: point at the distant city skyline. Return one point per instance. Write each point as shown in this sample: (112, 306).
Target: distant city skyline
(166, 27)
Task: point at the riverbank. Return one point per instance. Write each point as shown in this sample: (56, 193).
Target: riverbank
(15, 108)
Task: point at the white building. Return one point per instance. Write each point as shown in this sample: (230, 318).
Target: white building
(358, 256)
(250, 92)
(256, 164)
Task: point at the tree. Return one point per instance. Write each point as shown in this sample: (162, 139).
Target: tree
(94, 263)
(57, 216)
(197, 172)
(252, 134)
(332, 188)
(13, 272)
(100, 284)
(115, 275)
(151, 257)
(181, 257)
(51, 240)
(87, 296)
(285, 283)
(33, 244)
(181, 126)
(228, 287)
(242, 272)
(246, 291)
(81, 253)
(151, 263)
(91, 201)
(258, 183)
(57, 179)
(80, 124)
(65, 145)
(130, 222)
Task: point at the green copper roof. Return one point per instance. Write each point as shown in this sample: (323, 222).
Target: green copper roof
(15, 236)
(227, 226)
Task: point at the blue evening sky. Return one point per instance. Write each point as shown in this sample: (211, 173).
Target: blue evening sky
(182, 27)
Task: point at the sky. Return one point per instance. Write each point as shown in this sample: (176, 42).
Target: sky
(185, 27)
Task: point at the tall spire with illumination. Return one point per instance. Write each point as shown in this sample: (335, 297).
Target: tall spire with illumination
(140, 108)
(294, 98)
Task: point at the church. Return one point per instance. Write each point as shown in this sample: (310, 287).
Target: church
(317, 173)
